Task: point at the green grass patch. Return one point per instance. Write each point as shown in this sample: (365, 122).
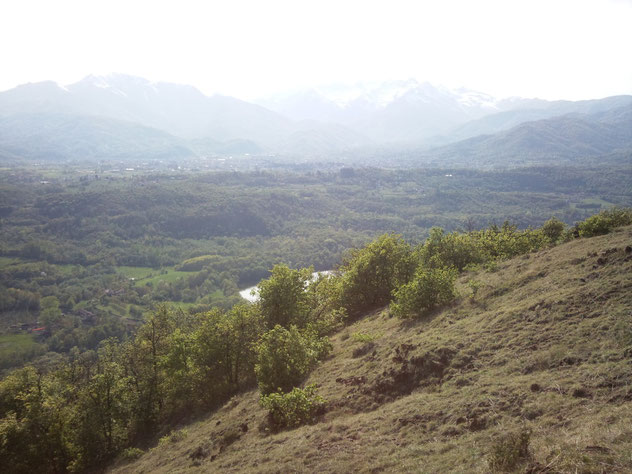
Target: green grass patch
(15, 342)
(138, 273)
(16, 349)
(6, 261)
(181, 305)
(67, 269)
(166, 275)
(145, 275)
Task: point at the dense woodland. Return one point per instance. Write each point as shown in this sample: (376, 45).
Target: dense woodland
(85, 254)
(90, 406)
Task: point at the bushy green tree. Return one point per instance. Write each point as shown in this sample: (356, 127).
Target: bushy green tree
(282, 297)
(143, 358)
(326, 314)
(605, 221)
(34, 423)
(370, 274)
(285, 357)
(49, 310)
(293, 409)
(553, 229)
(449, 250)
(223, 352)
(102, 409)
(429, 289)
(507, 241)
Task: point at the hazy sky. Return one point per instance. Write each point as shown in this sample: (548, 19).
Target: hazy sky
(572, 49)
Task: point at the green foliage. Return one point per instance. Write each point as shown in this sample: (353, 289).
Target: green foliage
(81, 239)
(79, 413)
(449, 250)
(143, 359)
(364, 337)
(370, 274)
(197, 263)
(604, 222)
(507, 241)
(430, 288)
(326, 315)
(103, 409)
(285, 357)
(130, 454)
(223, 351)
(49, 310)
(474, 286)
(553, 229)
(34, 423)
(15, 349)
(283, 298)
(511, 449)
(295, 408)
(173, 437)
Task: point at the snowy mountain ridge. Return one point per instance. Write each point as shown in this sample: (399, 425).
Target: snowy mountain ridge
(380, 94)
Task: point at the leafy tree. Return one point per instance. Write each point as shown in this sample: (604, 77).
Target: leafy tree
(326, 315)
(604, 222)
(553, 229)
(178, 367)
(370, 274)
(429, 289)
(293, 409)
(282, 297)
(223, 350)
(507, 241)
(102, 410)
(34, 423)
(143, 358)
(449, 250)
(285, 357)
(49, 310)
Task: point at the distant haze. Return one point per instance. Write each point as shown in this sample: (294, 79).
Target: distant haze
(563, 49)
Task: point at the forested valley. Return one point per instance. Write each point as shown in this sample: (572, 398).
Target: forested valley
(85, 255)
(119, 360)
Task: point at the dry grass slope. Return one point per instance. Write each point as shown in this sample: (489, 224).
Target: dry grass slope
(532, 373)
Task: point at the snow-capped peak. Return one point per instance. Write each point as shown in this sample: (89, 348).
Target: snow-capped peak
(470, 98)
(379, 94)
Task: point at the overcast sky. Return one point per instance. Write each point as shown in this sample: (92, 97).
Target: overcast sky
(570, 49)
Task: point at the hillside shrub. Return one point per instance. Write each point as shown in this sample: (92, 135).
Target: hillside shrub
(284, 357)
(553, 229)
(293, 409)
(604, 222)
(173, 437)
(131, 454)
(450, 250)
(283, 298)
(429, 289)
(507, 241)
(326, 312)
(370, 274)
(364, 337)
(475, 286)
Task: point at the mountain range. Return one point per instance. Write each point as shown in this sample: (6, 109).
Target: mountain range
(566, 139)
(125, 117)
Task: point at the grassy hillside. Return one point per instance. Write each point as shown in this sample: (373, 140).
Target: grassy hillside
(529, 371)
